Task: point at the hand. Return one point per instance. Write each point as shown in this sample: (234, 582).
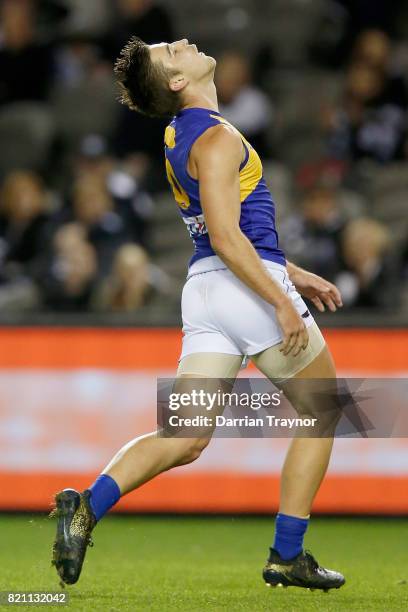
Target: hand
(317, 290)
(295, 334)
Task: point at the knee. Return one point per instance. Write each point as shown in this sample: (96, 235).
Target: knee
(191, 449)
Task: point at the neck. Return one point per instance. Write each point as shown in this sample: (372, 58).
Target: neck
(203, 96)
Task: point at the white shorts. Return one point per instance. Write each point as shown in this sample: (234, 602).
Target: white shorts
(222, 315)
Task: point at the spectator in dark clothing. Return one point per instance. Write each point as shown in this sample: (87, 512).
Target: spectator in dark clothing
(94, 208)
(342, 21)
(134, 205)
(131, 202)
(371, 275)
(245, 105)
(312, 237)
(371, 122)
(70, 271)
(25, 64)
(373, 49)
(24, 216)
(143, 136)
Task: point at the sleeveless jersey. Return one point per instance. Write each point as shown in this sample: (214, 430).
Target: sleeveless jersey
(257, 219)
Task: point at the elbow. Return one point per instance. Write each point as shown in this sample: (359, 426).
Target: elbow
(225, 242)
(217, 244)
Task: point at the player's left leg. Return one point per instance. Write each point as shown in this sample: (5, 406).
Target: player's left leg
(306, 461)
(136, 463)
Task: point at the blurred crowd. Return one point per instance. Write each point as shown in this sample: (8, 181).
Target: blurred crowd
(81, 175)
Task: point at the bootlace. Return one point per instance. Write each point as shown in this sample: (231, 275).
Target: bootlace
(313, 561)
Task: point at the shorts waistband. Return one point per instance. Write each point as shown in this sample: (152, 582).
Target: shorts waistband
(213, 263)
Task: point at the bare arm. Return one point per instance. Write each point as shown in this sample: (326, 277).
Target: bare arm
(216, 157)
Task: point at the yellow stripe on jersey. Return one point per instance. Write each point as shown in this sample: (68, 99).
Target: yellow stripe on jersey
(179, 193)
(170, 137)
(251, 173)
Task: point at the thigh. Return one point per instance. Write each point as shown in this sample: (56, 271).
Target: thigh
(210, 365)
(313, 392)
(276, 366)
(309, 383)
(201, 376)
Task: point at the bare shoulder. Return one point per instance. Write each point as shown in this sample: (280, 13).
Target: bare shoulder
(216, 143)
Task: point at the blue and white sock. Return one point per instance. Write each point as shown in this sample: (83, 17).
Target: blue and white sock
(289, 534)
(105, 493)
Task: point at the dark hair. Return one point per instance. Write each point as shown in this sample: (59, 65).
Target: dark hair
(143, 84)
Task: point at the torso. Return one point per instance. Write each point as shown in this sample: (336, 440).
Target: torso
(257, 219)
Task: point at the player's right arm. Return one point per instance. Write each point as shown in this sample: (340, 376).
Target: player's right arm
(215, 159)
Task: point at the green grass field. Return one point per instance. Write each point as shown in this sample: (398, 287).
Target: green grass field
(188, 564)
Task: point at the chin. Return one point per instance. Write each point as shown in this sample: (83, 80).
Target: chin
(211, 65)
(209, 69)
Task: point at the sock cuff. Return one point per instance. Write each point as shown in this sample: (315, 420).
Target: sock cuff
(112, 483)
(105, 492)
(289, 533)
(292, 520)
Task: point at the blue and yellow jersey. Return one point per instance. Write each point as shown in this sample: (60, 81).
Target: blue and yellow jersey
(257, 219)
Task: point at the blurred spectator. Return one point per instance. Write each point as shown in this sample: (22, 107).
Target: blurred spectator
(342, 21)
(26, 71)
(90, 17)
(77, 59)
(69, 278)
(94, 208)
(371, 122)
(93, 158)
(372, 273)
(241, 103)
(320, 172)
(24, 215)
(127, 287)
(373, 49)
(23, 218)
(132, 203)
(25, 63)
(312, 236)
(132, 283)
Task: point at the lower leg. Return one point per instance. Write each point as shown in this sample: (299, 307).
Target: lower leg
(138, 462)
(303, 471)
(307, 458)
(145, 457)
(305, 465)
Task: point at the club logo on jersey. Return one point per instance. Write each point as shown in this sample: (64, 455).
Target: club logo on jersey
(196, 225)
